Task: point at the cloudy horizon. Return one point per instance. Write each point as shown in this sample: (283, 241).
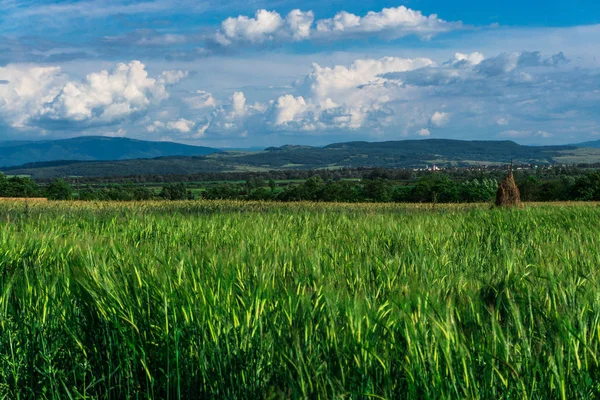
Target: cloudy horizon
(265, 73)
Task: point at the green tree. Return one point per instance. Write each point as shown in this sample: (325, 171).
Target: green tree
(142, 193)
(435, 188)
(3, 184)
(19, 186)
(59, 190)
(478, 190)
(530, 188)
(176, 191)
(402, 194)
(222, 192)
(379, 190)
(260, 193)
(342, 191)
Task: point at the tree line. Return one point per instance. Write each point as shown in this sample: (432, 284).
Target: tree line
(435, 187)
(19, 186)
(394, 174)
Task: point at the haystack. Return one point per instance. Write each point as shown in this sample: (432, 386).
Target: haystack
(508, 194)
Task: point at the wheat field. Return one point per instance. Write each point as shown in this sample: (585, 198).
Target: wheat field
(236, 300)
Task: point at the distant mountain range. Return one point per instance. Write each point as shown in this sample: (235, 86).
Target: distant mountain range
(593, 144)
(92, 148)
(125, 157)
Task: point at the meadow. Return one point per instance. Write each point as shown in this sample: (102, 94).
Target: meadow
(244, 300)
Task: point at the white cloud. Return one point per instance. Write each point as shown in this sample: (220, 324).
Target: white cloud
(182, 125)
(26, 90)
(266, 26)
(376, 97)
(201, 131)
(287, 109)
(339, 23)
(118, 133)
(397, 97)
(156, 126)
(439, 119)
(394, 22)
(238, 104)
(45, 97)
(255, 30)
(333, 82)
(172, 77)
(342, 97)
(300, 24)
(105, 97)
(387, 97)
(508, 62)
(477, 69)
(233, 116)
(502, 121)
(200, 99)
(472, 58)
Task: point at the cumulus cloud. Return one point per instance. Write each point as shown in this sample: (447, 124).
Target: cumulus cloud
(27, 90)
(180, 125)
(118, 133)
(233, 116)
(200, 132)
(474, 58)
(200, 99)
(502, 121)
(513, 67)
(107, 96)
(342, 97)
(238, 104)
(458, 69)
(401, 97)
(390, 96)
(287, 109)
(266, 26)
(508, 62)
(407, 96)
(270, 26)
(300, 24)
(424, 132)
(156, 126)
(439, 119)
(393, 22)
(43, 96)
(172, 77)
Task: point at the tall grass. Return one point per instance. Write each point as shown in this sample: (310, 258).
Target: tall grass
(231, 300)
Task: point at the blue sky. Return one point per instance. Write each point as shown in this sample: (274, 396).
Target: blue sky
(261, 73)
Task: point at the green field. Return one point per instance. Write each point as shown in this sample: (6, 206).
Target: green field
(253, 300)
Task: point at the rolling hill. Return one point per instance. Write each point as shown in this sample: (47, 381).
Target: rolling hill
(92, 148)
(595, 144)
(392, 154)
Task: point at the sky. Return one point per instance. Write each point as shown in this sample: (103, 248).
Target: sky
(267, 73)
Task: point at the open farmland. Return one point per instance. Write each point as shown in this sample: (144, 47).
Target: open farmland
(301, 300)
